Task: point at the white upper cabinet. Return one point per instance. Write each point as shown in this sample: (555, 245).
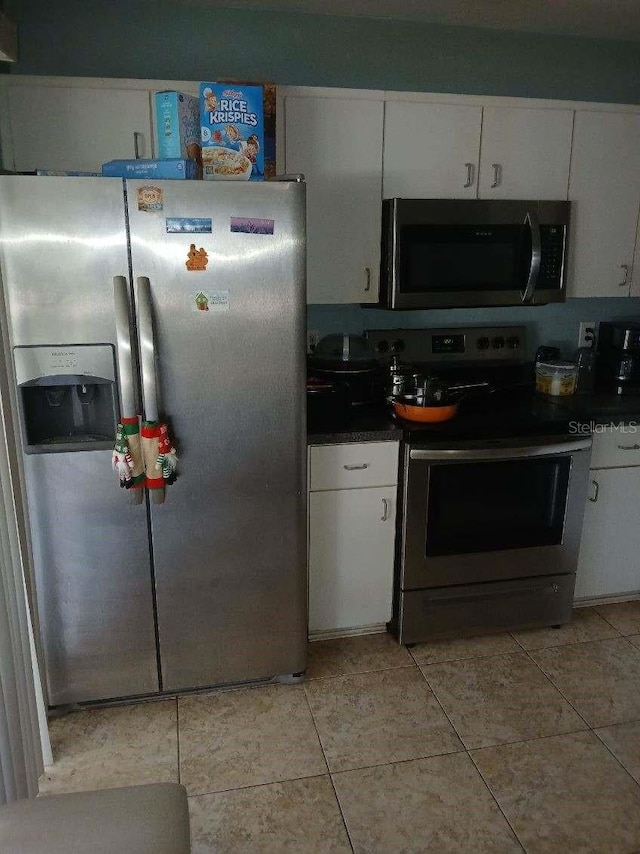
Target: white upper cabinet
(336, 143)
(77, 128)
(604, 189)
(431, 151)
(525, 153)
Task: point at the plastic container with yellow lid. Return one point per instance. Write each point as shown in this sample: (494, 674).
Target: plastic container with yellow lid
(556, 378)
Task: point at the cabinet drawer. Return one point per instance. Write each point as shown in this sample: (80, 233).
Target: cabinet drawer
(616, 448)
(353, 465)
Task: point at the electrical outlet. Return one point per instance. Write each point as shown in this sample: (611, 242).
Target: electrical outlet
(587, 334)
(313, 336)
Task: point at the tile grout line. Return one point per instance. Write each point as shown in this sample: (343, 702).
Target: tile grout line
(178, 735)
(518, 741)
(602, 640)
(591, 729)
(335, 793)
(466, 750)
(553, 685)
(360, 672)
(619, 761)
(496, 801)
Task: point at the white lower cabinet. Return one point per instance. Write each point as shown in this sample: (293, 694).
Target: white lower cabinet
(351, 538)
(609, 562)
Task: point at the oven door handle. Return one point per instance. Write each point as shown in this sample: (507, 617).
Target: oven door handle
(515, 453)
(531, 220)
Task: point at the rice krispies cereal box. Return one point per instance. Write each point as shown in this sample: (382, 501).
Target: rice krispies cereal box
(232, 132)
(178, 127)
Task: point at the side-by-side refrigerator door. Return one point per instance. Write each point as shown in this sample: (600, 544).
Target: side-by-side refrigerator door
(219, 273)
(63, 240)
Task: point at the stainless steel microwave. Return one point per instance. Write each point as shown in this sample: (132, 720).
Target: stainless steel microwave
(450, 253)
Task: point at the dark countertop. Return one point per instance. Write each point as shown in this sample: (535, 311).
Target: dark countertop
(522, 413)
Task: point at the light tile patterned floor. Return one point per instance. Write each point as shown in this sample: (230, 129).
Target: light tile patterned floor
(527, 741)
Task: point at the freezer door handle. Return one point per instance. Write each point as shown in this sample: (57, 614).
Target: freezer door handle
(147, 349)
(123, 346)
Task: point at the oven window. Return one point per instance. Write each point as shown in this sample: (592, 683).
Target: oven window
(483, 507)
(449, 258)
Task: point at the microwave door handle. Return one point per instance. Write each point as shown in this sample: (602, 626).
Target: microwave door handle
(531, 220)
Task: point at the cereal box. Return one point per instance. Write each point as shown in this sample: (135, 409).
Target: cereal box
(178, 126)
(232, 132)
(269, 119)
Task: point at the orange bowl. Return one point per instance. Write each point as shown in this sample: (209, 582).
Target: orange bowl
(425, 414)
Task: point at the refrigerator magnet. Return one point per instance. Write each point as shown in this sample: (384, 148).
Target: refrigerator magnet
(214, 301)
(197, 259)
(150, 199)
(188, 225)
(251, 225)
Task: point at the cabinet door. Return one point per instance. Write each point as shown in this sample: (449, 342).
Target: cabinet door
(431, 151)
(351, 548)
(336, 144)
(525, 153)
(55, 127)
(604, 189)
(610, 544)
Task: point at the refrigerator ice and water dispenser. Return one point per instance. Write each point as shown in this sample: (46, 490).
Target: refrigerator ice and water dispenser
(67, 397)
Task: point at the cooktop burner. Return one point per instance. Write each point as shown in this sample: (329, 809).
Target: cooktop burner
(497, 356)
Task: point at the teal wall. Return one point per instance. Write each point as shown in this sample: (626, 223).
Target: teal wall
(155, 38)
(558, 325)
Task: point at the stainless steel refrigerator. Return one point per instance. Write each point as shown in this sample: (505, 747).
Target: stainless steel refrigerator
(188, 298)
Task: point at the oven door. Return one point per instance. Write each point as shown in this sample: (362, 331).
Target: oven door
(475, 514)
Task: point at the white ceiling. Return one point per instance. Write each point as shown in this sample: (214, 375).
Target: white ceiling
(611, 19)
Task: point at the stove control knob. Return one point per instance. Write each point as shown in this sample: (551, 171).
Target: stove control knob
(498, 342)
(483, 343)
(513, 342)
(382, 346)
(397, 346)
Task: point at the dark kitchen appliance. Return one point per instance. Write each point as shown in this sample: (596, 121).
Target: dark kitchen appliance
(490, 503)
(456, 253)
(618, 358)
(350, 365)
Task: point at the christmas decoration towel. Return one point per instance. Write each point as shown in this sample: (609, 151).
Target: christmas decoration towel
(159, 455)
(127, 454)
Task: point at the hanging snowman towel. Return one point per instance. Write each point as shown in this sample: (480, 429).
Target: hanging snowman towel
(127, 459)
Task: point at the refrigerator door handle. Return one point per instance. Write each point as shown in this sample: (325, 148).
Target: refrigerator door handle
(123, 346)
(147, 349)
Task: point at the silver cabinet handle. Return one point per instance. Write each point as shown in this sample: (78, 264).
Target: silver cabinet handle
(367, 278)
(629, 447)
(385, 510)
(123, 346)
(470, 172)
(596, 490)
(625, 280)
(497, 175)
(147, 349)
(356, 468)
(137, 139)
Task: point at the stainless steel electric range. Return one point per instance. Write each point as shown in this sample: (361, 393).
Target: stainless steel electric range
(490, 503)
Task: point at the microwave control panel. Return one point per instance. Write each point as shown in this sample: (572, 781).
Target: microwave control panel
(552, 240)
